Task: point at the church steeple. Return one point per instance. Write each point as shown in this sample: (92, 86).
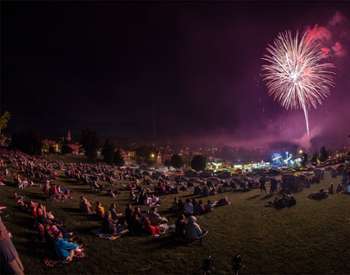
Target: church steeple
(69, 136)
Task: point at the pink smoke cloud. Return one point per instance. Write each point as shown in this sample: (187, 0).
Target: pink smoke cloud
(338, 18)
(330, 37)
(325, 51)
(338, 49)
(318, 33)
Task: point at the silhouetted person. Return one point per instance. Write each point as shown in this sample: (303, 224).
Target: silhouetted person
(236, 264)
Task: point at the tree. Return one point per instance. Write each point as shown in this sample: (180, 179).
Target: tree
(108, 151)
(323, 154)
(90, 142)
(167, 163)
(65, 149)
(29, 142)
(176, 161)
(199, 163)
(145, 154)
(4, 119)
(118, 158)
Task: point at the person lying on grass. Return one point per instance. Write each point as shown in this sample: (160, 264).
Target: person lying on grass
(322, 194)
(283, 200)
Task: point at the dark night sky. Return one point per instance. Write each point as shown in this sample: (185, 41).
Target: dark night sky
(107, 66)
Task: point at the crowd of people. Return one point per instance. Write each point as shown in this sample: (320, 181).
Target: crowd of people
(146, 189)
(51, 232)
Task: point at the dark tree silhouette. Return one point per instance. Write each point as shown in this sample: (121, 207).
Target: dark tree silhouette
(108, 151)
(118, 158)
(199, 163)
(29, 142)
(304, 159)
(145, 154)
(65, 149)
(323, 154)
(90, 142)
(176, 161)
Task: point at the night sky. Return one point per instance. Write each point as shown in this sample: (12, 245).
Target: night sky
(194, 68)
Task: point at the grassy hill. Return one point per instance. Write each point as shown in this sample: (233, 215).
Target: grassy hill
(312, 237)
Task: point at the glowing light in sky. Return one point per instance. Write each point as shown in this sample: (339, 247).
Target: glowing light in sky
(296, 73)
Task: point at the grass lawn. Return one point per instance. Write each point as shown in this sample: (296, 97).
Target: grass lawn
(312, 237)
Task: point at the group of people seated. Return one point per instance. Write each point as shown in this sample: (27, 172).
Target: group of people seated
(150, 222)
(187, 229)
(196, 207)
(23, 182)
(52, 232)
(144, 196)
(282, 200)
(56, 191)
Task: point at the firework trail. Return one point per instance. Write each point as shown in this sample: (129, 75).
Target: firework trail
(296, 74)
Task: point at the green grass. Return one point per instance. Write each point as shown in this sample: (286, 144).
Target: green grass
(312, 237)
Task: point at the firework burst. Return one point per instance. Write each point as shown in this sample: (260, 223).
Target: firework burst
(296, 73)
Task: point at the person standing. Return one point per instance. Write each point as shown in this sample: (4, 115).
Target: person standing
(236, 264)
(262, 184)
(10, 263)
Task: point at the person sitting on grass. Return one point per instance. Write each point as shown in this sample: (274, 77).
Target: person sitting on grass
(66, 250)
(114, 211)
(173, 207)
(152, 201)
(223, 201)
(128, 213)
(331, 189)
(154, 230)
(188, 207)
(282, 201)
(136, 221)
(347, 189)
(100, 210)
(194, 231)
(108, 224)
(199, 208)
(86, 206)
(339, 188)
(180, 227)
(155, 218)
(209, 206)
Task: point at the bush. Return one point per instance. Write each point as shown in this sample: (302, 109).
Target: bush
(108, 151)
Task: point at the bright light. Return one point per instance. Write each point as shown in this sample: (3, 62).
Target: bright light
(301, 151)
(295, 73)
(153, 155)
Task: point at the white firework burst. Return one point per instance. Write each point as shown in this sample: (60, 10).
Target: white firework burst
(296, 72)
